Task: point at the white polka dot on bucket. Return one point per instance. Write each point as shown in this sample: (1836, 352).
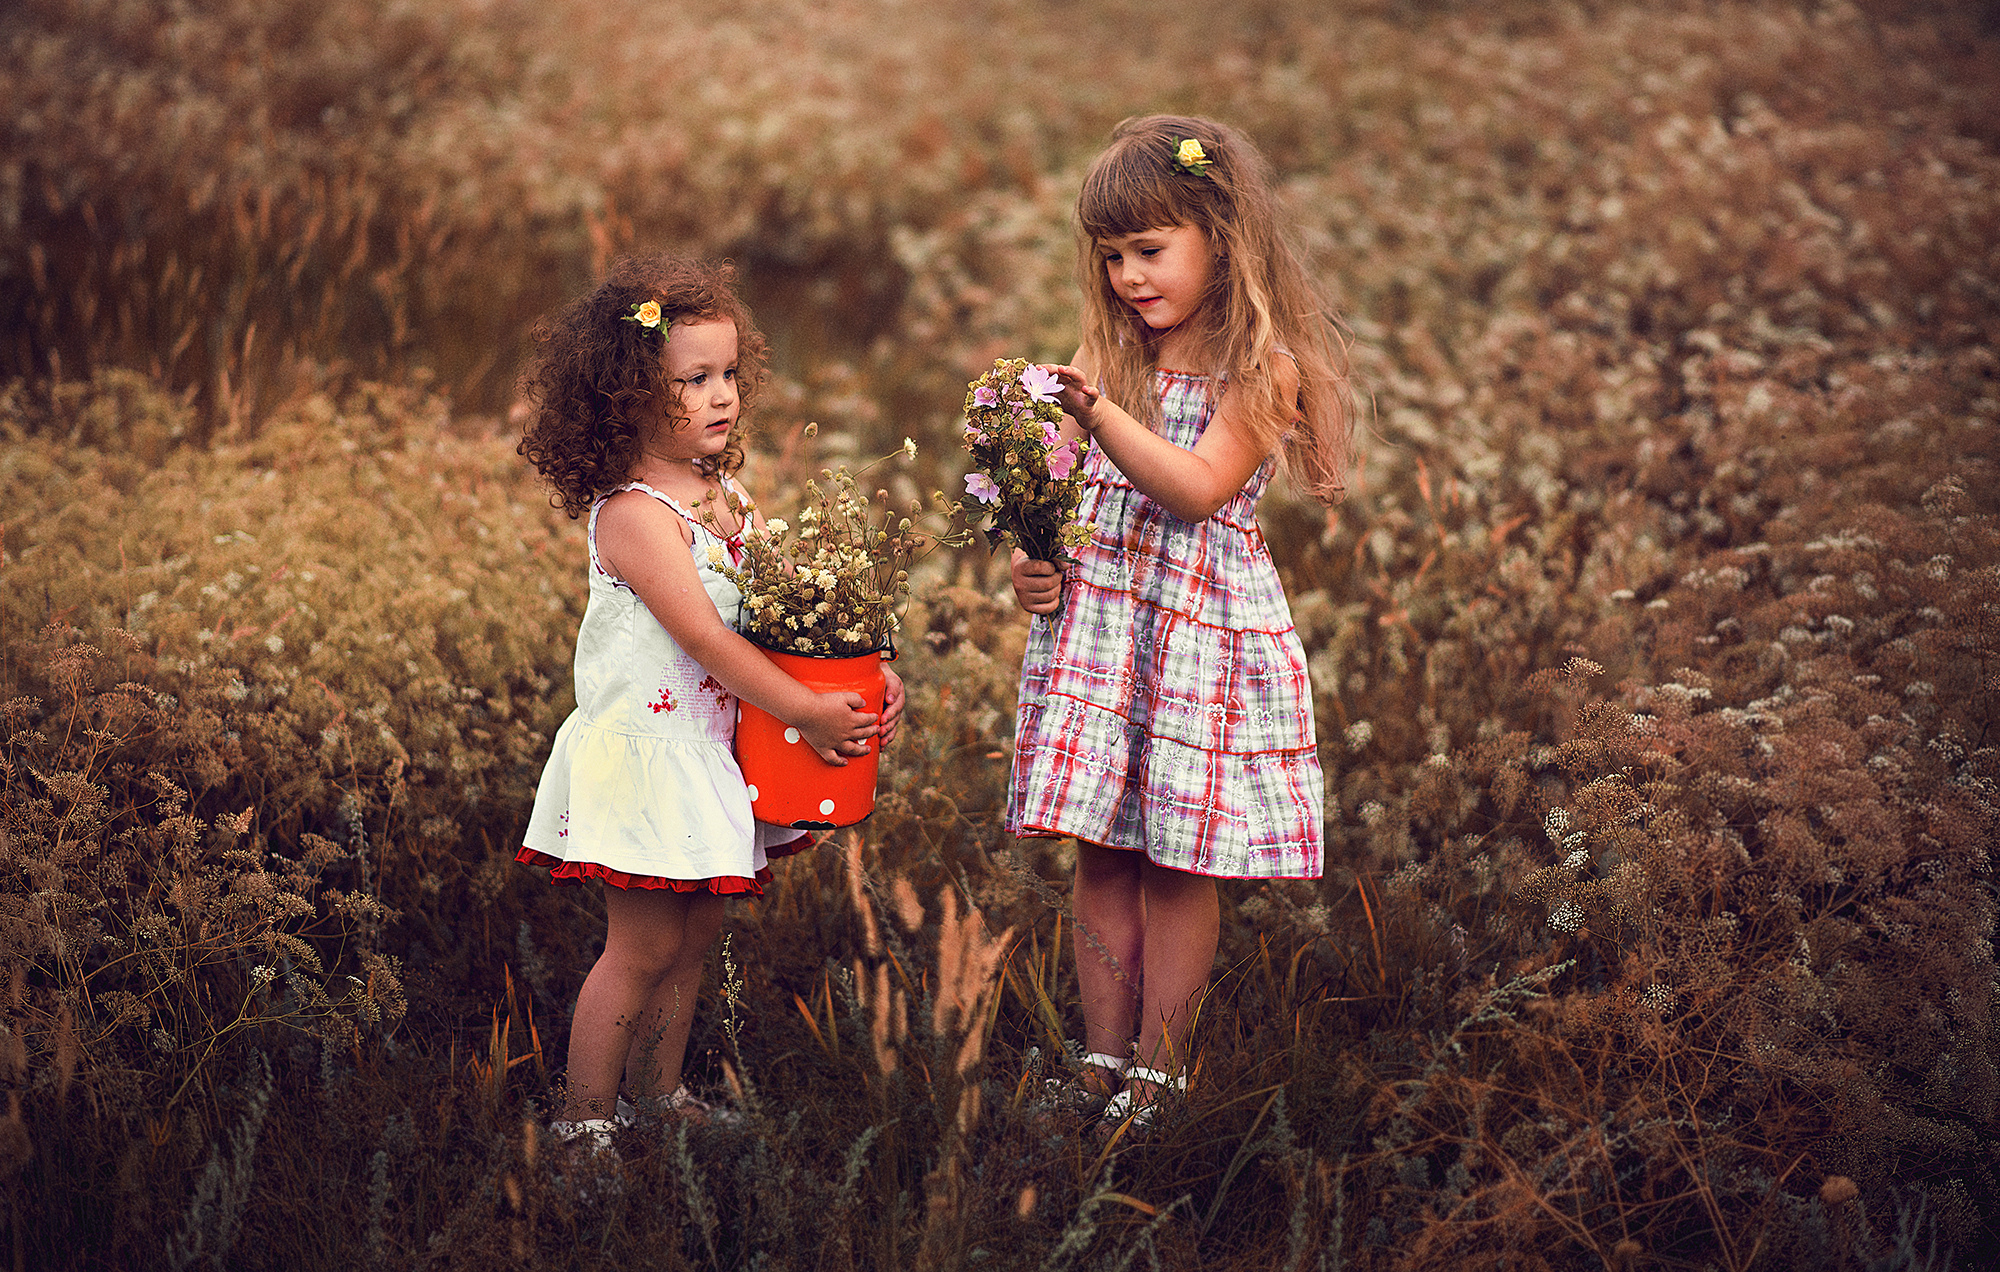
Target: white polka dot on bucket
(791, 735)
(753, 794)
(826, 806)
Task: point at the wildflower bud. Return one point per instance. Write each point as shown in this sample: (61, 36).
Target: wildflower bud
(812, 430)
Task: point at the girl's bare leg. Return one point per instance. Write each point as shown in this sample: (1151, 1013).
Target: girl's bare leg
(1183, 927)
(1110, 919)
(645, 943)
(653, 1065)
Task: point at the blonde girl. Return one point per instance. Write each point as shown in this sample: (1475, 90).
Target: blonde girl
(1165, 711)
(640, 390)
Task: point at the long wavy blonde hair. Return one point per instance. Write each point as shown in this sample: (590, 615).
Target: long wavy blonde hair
(1260, 300)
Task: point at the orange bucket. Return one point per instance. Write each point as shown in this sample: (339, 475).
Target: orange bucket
(789, 784)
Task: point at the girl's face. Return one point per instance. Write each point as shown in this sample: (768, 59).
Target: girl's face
(1162, 274)
(701, 374)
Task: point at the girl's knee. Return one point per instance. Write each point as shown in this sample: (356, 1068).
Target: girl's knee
(638, 963)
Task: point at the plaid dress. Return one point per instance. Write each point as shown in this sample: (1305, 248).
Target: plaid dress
(1166, 707)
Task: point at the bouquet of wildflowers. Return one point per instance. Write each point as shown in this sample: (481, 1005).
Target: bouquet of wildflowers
(1029, 478)
(834, 584)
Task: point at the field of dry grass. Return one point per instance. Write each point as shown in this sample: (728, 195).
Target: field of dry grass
(1656, 650)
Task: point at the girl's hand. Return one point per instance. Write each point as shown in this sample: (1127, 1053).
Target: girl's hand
(1078, 396)
(1193, 482)
(1037, 584)
(892, 706)
(834, 725)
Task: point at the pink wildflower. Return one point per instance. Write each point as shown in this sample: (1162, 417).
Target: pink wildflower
(986, 395)
(1061, 460)
(1041, 384)
(981, 487)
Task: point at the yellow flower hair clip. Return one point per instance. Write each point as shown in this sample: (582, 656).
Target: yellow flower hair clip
(647, 314)
(1190, 158)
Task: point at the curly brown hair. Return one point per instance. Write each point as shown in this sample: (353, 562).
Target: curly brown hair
(597, 382)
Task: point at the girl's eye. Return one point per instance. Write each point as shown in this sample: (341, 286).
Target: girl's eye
(1149, 251)
(729, 374)
(697, 380)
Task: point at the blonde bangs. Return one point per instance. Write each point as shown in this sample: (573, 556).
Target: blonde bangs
(1126, 193)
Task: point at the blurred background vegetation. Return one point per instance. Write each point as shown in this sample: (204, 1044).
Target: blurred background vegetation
(1657, 648)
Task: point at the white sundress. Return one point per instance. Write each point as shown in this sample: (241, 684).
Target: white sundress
(641, 788)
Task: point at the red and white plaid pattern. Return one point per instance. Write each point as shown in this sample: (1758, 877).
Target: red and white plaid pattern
(1166, 707)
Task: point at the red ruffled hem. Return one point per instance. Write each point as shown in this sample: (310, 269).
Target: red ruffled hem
(791, 847)
(572, 872)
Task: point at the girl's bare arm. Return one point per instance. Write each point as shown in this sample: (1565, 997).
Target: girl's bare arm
(1190, 483)
(645, 543)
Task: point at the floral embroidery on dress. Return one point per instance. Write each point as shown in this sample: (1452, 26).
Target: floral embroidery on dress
(709, 684)
(665, 702)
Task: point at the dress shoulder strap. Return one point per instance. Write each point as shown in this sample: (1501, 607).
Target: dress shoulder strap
(596, 563)
(660, 495)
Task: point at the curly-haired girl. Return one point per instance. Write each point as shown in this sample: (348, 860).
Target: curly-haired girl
(639, 390)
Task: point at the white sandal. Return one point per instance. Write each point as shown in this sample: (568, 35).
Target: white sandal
(683, 1103)
(1073, 1095)
(1125, 1106)
(592, 1169)
(593, 1133)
